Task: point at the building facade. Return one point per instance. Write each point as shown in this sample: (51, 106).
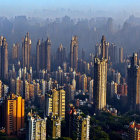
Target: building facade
(74, 53)
(100, 83)
(26, 52)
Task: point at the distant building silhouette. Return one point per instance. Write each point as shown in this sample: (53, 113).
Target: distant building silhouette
(38, 56)
(26, 52)
(60, 56)
(120, 55)
(15, 52)
(101, 50)
(74, 53)
(43, 55)
(48, 53)
(3, 58)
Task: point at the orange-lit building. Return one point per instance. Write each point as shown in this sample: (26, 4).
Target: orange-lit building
(134, 131)
(14, 106)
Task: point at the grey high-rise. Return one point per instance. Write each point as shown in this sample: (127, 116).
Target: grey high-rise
(134, 85)
(74, 53)
(4, 59)
(26, 52)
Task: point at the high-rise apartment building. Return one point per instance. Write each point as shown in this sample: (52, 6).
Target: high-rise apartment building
(100, 83)
(120, 55)
(15, 52)
(78, 126)
(19, 87)
(55, 103)
(85, 128)
(113, 53)
(56, 131)
(26, 52)
(74, 53)
(14, 108)
(98, 50)
(60, 55)
(134, 84)
(84, 82)
(134, 131)
(43, 55)
(91, 83)
(1, 89)
(48, 54)
(38, 56)
(3, 58)
(102, 49)
(36, 127)
(53, 127)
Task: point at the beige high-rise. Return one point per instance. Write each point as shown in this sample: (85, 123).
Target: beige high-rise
(55, 103)
(100, 83)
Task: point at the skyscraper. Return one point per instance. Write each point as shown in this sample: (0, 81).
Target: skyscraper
(113, 53)
(60, 55)
(134, 131)
(74, 53)
(26, 52)
(100, 83)
(43, 55)
(48, 54)
(4, 59)
(120, 55)
(101, 50)
(38, 56)
(56, 131)
(98, 50)
(85, 128)
(1, 93)
(53, 127)
(78, 125)
(14, 114)
(36, 127)
(103, 47)
(1, 39)
(84, 82)
(134, 84)
(55, 103)
(15, 52)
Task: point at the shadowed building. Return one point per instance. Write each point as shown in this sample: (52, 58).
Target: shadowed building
(38, 57)
(134, 84)
(134, 131)
(43, 55)
(60, 56)
(26, 52)
(48, 52)
(36, 127)
(3, 59)
(101, 50)
(15, 52)
(120, 55)
(74, 53)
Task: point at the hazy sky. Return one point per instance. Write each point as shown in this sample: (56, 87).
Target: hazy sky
(16, 7)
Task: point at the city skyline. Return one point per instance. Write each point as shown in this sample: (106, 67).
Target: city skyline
(70, 70)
